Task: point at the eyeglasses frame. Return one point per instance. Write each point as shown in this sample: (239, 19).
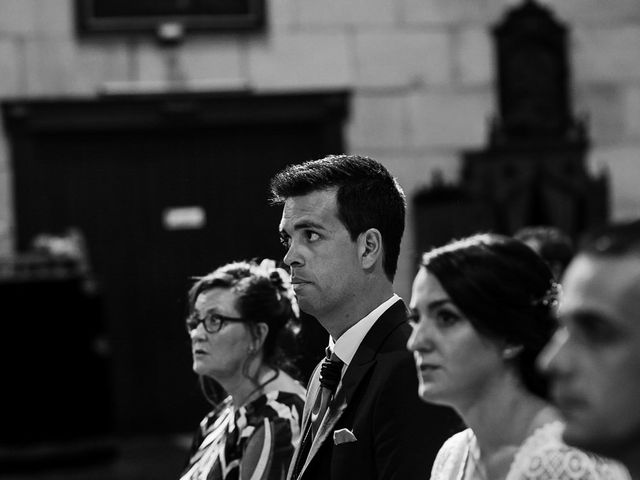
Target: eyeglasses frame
(191, 324)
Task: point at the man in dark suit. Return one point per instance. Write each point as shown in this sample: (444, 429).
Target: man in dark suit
(342, 222)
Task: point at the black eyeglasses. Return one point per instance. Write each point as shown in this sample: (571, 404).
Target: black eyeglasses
(213, 322)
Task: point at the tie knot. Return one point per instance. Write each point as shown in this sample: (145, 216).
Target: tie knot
(330, 371)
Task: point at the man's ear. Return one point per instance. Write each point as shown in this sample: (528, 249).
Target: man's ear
(370, 247)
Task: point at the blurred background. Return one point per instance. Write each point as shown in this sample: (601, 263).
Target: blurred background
(138, 139)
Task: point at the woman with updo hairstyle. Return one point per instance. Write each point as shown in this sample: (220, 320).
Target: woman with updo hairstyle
(482, 309)
(238, 317)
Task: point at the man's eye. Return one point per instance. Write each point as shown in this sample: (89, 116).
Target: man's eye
(596, 331)
(312, 236)
(413, 317)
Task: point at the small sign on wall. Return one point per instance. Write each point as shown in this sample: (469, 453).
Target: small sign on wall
(151, 16)
(184, 218)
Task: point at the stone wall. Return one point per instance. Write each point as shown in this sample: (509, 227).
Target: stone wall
(421, 72)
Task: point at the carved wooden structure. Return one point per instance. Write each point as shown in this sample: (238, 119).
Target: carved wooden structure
(533, 171)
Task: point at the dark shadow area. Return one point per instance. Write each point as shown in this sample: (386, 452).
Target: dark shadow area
(136, 458)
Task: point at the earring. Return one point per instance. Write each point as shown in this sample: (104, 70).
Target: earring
(251, 350)
(511, 352)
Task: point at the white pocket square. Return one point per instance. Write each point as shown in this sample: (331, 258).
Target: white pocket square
(343, 435)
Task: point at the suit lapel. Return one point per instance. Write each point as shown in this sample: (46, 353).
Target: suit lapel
(336, 409)
(313, 390)
(362, 361)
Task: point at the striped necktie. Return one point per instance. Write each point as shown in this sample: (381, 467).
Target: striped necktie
(330, 373)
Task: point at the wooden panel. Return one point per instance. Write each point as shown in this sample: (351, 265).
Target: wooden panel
(112, 167)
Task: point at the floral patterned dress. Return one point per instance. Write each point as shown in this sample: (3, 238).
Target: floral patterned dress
(271, 423)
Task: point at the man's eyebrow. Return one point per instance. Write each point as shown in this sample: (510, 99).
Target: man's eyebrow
(302, 225)
(580, 314)
(585, 319)
(308, 224)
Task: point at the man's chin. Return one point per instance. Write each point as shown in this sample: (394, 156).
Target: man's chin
(578, 437)
(575, 438)
(306, 306)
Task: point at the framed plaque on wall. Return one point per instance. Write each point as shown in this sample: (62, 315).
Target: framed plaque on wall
(154, 16)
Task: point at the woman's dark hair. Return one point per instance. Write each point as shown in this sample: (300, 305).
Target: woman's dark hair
(506, 291)
(264, 295)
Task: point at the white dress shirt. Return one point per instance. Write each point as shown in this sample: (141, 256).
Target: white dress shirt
(345, 347)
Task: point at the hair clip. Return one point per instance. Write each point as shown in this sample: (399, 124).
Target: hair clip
(551, 297)
(282, 280)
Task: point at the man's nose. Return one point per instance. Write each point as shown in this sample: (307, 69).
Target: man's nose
(293, 258)
(552, 357)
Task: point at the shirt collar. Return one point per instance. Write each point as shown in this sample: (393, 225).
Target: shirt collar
(345, 347)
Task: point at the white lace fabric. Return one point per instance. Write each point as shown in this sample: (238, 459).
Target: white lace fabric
(542, 456)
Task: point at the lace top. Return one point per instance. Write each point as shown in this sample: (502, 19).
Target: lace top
(542, 456)
(271, 423)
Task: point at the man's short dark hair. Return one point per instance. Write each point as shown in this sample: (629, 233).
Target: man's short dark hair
(367, 196)
(552, 244)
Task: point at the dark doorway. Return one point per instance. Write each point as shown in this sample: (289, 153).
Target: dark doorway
(116, 168)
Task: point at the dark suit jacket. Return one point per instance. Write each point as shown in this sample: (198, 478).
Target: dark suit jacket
(397, 434)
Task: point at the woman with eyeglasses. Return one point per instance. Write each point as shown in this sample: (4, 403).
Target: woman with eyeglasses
(238, 315)
(482, 309)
